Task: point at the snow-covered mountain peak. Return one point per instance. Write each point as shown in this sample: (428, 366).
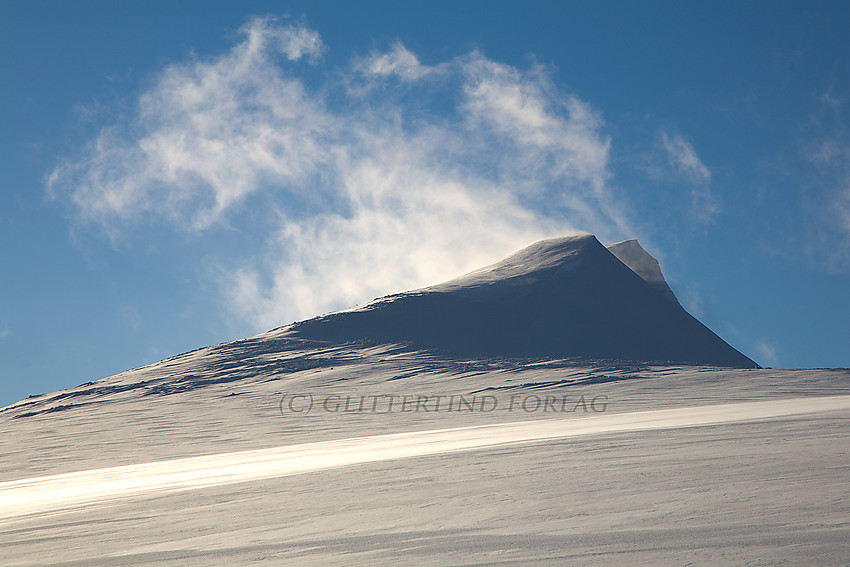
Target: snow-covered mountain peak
(633, 255)
(546, 255)
(557, 298)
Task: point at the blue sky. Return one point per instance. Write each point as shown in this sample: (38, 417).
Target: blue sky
(181, 174)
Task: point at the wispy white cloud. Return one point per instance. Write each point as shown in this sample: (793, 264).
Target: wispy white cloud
(842, 203)
(693, 301)
(374, 193)
(205, 137)
(840, 247)
(767, 353)
(682, 157)
(397, 62)
(827, 152)
(825, 196)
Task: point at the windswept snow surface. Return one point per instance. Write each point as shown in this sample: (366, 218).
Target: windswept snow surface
(75, 489)
(764, 479)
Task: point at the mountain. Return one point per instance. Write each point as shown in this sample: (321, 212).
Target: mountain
(558, 298)
(277, 450)
(643, 264)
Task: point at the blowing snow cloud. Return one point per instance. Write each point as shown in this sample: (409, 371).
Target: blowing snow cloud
(385, 175)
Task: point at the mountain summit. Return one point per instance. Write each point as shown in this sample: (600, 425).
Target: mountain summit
(643, 264)
(558, 298)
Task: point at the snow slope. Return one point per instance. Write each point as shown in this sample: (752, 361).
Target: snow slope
(764, 479)
(28, 496)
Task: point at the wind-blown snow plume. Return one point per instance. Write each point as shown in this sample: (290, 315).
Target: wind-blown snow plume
(387, 175)
(681, 155)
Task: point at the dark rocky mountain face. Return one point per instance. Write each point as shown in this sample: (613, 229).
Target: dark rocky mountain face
(558, 298)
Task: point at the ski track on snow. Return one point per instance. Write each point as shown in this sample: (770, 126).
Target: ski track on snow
(52, 493)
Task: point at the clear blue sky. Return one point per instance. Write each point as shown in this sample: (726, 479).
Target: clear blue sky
(181, 174)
